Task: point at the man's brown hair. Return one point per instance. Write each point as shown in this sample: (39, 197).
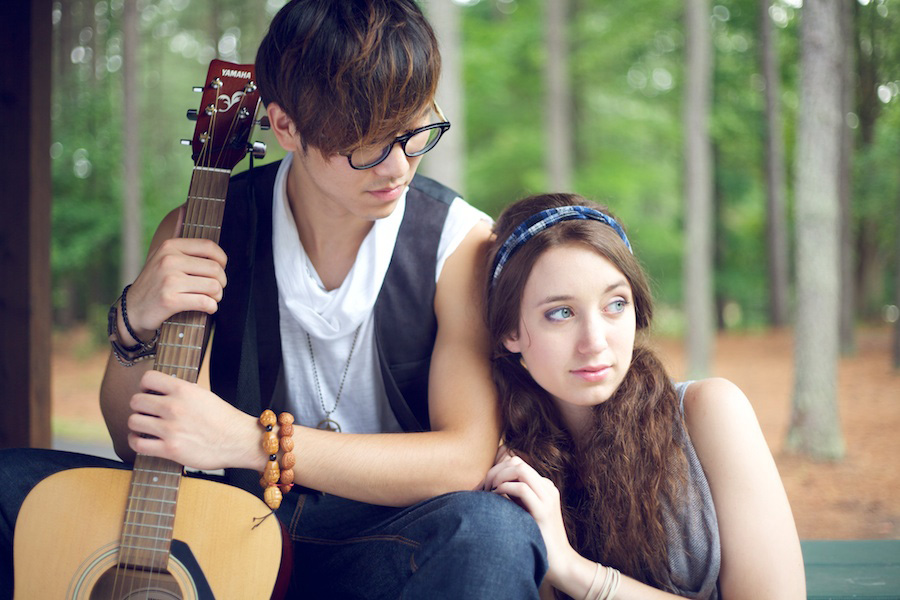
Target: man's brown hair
(349, 73)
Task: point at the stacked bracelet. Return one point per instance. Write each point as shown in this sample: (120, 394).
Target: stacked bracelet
(276, 480)
(127, 355)
(608, 588)
(146, 346)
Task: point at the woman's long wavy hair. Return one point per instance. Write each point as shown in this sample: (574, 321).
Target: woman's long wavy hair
(616, 483)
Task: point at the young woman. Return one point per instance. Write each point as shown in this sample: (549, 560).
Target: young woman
(641, 488)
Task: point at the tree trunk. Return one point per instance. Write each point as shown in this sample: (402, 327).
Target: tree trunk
(869, 266)
(698, 255)
(132, 241)
(896, 349)
(776, 204)
(557, 98)
(446, 162)
(845, 189)
(815, 425)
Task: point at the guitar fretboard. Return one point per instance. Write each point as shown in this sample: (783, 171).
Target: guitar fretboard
(150, 515)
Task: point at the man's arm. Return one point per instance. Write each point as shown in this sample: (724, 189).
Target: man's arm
(404, 468)
(179, 275)
(196, 428)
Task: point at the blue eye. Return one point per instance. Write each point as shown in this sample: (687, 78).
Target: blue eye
(616, 306)
(560, 314)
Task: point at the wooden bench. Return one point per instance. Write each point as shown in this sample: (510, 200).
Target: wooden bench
(845, 569)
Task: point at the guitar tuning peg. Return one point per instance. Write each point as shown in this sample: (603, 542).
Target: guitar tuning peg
(258, 149)
(185, 142)
(264, 123)
(197, 88)
(192, 114)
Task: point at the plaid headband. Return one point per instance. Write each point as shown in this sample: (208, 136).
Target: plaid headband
(538, 222)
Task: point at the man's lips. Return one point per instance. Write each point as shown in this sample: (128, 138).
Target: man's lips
(389, 193)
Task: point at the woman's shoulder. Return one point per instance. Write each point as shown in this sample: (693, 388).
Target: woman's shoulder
(713, 390)
(715, 406)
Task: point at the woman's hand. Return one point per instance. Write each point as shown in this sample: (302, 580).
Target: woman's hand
(181, 274)
(513, 477)
(191, 426)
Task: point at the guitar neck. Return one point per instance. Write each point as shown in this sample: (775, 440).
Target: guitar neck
(224, 122)
(147, 533)
(182, 336)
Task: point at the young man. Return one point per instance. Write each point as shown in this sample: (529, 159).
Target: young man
(346, 292)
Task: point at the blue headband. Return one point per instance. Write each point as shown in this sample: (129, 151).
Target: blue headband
(538, 222)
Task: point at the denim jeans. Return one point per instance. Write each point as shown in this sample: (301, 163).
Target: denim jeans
(458, 545)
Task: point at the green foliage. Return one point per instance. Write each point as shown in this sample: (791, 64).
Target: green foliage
(626, 73)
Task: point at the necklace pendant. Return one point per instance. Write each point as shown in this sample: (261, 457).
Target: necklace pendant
(329, 425)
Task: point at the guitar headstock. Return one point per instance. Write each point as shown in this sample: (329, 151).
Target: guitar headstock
(226, 115)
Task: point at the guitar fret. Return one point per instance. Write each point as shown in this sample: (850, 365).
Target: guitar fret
(152, 538)
(183, 324)
(213, 170)
(152, 512)
(138, 498)
(135, 524)
(209, 198)
(141, 470)
(202, 226)
(157, 485)
(168, 366)
(188, 346)
(142, 548)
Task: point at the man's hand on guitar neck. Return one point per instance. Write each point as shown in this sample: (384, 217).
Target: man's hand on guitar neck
(180, 275)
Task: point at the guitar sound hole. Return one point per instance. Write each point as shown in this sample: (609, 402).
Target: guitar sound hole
(124, 583)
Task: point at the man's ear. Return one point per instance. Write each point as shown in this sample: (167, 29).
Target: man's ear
(283, 128)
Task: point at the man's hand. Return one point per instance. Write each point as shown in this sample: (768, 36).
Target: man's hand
(181, 275)
(185, 423)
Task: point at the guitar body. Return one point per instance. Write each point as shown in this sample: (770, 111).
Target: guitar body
(73, 553)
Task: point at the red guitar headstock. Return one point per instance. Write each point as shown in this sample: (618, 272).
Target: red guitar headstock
(226, 115)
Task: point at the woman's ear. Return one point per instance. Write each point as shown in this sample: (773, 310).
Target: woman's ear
(283, 128)
(512, 343)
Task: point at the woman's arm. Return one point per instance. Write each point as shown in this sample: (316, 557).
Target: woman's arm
(761, 555)
(568, 571)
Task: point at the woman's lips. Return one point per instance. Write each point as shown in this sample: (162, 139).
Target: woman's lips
(592, 374)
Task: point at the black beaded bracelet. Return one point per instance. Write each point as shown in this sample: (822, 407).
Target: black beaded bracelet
(146, 346)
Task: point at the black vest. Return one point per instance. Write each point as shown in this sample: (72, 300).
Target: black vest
(246, 345)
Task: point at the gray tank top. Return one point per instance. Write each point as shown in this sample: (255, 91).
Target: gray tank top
(695, 554)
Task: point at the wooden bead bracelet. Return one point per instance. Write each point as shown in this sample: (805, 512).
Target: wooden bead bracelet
(277, 481)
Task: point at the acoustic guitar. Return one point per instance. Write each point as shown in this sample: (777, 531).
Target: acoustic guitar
(151, 533)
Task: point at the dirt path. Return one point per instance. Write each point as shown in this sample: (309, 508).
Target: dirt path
(858, 498)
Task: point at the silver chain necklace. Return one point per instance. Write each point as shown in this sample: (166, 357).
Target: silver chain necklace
(329, 424)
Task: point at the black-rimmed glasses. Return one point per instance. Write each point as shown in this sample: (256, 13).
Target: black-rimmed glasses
(415, 143)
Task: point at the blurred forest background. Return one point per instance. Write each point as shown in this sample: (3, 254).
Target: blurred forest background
(590, 96)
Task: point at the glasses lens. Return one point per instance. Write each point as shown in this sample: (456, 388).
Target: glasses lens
(368, 155)
(423, 141)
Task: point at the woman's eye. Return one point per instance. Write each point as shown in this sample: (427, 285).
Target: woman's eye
(560, 314)
(616, 306)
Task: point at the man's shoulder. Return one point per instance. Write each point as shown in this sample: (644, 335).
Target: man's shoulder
(266, 170)
(434, 190)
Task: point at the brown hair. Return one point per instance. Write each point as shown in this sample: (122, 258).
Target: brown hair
(351, 72)
(615, 485)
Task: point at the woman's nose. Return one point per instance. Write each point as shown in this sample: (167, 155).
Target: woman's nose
(593, 336)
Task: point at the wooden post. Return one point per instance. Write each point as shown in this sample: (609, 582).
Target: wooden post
(25, 195)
